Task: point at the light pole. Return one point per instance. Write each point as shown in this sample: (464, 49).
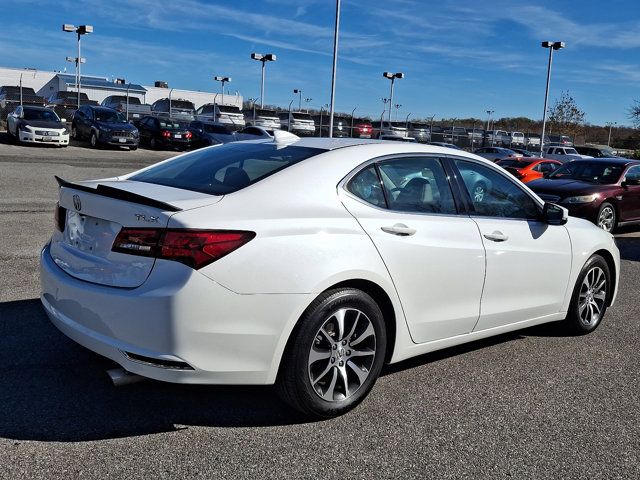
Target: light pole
(352, 112)
(335, 66)
(392, 77)
(397, 107)
(406, 122)
(307, 100)
(222, 81)
(489, 113)
(384, 102)
(299, 92)
(264, 58)
(81, 30)
(551, 46)
(610, 124)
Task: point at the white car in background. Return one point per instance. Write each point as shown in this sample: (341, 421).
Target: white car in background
(562, 154)
(517, 139)
(228, 116)
(31, 124)
(310, 263)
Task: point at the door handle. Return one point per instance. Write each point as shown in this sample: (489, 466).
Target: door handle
(399, 229)
(496, 236)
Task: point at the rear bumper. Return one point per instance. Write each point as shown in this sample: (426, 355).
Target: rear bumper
(177, 315)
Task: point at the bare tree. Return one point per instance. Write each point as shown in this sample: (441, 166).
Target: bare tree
(634, 113)
(565, 117)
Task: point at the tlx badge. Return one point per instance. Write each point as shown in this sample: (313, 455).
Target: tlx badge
(146, 218)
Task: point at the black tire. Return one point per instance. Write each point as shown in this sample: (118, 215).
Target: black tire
(93, 140)
(153, 144)
(294, 382)
(579, 308)
(133, 149)
(74, 133)
(607, 217)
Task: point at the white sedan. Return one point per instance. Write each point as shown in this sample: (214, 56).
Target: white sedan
(31, 124)
(310, 263)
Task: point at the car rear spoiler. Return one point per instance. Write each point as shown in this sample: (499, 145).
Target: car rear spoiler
(118, 194)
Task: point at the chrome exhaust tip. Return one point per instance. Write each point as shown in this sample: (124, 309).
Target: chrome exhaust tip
(120, 377)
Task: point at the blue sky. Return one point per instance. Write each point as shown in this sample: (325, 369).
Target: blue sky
(460, 57)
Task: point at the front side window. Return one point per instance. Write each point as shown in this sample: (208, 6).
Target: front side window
(493, 194)
(417, 185)
(633, 174)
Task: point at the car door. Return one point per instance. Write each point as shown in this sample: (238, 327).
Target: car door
(630, 203)
(433, 252)
(528, 260)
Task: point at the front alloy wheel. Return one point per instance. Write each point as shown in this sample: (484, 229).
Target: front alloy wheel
(334, 355)
(590, 296)
(607, 217)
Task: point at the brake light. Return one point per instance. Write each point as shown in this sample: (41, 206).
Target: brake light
(195, 248)
(188, 135)
(166, 133)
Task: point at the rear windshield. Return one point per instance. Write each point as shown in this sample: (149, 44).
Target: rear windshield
(263, 113)
(181, 104)
(514, 163)
(123, 99)
(226, 168)
(228, 109)
(301, 116)
(169, 124)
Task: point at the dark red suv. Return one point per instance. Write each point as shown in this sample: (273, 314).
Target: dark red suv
(605, 191)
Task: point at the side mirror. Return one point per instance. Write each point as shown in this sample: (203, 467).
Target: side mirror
(63, 120)
(555, 214)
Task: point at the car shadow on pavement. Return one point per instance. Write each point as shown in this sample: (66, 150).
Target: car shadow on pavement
(52, 389)
(629, 248)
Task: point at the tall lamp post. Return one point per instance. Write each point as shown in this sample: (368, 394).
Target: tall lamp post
(299, 92)
(489, 113)
(392, 76)
(81, 30)
(610, 124)
(264, 58)
(307, 100)
(551, 46)
(222, 81)
(335, 67)
(397, 106)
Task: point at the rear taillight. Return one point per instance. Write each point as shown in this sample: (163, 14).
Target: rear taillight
(188, 135)
(166, 133)
(60, 217)
(195, 248)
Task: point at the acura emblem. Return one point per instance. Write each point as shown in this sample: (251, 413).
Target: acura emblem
(77, 203)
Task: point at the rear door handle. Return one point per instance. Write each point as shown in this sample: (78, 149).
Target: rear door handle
(496, 236)
(399, 229)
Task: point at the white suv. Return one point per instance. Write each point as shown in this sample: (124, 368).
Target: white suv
(226, 115)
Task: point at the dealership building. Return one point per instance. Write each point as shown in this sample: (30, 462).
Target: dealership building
(48, 84)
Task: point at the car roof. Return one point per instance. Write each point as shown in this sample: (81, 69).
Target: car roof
(614, 161)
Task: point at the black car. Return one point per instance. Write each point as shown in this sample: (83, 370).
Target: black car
(161, 132)
(65, 104)
(103, 126)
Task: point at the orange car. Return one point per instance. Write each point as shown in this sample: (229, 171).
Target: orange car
(527, 169)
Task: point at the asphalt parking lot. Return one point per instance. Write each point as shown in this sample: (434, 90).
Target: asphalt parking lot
(531, 404)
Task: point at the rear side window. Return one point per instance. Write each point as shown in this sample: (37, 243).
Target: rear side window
(226, 168)
(417, 185)
(366, 185)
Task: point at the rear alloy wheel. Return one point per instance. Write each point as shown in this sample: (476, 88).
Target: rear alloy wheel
(74, 133)
(153, 143)
(607, 217)
(590, 296)
(93, 140)
(335, 355)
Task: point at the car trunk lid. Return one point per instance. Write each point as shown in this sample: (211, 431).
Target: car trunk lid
(91, 214)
